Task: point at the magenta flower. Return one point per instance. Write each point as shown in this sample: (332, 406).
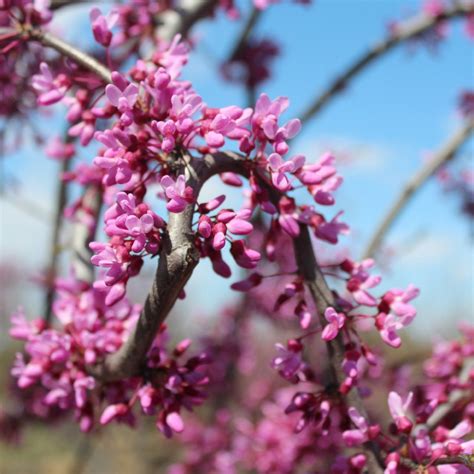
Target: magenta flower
(335, 322)
(360, 435)
(59, 150)
(265, 123)
(278, 167)
(122, 94)
(288, 362)
(236, 222)
(50, 89)
(102, 25)
(398, 409)
(330, 230)
(177, 192)
(243, 256)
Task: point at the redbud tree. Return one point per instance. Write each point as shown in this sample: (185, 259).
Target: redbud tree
(153, 144)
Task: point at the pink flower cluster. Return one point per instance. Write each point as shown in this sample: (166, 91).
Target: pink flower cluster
(57, 360)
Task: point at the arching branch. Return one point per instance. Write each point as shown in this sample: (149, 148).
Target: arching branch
(443, 156)
(405, 31)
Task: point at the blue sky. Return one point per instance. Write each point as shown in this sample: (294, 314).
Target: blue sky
(394, 113)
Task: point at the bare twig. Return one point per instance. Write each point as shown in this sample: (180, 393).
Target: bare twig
(69, 51)
(404, 31)
(446, 153)
(246, 32)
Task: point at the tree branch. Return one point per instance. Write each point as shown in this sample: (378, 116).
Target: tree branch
(178, 259)
(84, 232)
(246, 32)
(69, 51)
(61, 199)
(455, 397)
(404, 31)
(443, 156)
(181, 20)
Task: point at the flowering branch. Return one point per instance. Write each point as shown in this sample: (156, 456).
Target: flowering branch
(178, 259)
(446, 153)
(455, 397)
(404, 32)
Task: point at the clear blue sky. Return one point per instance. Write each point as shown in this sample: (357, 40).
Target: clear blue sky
(391, 116)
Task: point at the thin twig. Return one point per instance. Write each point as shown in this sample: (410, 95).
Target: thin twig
(404, 31)
(61, 199)
(246, 32)
(446, 153)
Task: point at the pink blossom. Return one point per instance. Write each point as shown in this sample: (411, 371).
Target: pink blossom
(335, 323)
(278, 168)
(102, 25)
(288, 362)
(59, 150)
(50, 89)
(121, 93)
(398, 409)
(177, 192)
(358, 436)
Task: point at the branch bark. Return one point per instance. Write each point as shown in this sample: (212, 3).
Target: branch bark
(69, 51)
(443, 156)
(455, 397)
(405, 31)
(61, 199)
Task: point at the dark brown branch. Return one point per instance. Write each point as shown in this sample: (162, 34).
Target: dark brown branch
(404, 31)
(443, 156)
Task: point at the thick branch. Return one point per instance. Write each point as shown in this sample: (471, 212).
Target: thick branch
(404, 31)
(446, 153)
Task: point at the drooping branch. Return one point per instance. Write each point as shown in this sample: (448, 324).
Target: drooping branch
(404, 31)
(443, 156)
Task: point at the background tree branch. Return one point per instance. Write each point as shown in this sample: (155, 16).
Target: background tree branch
(443, 156)
(405, 31)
